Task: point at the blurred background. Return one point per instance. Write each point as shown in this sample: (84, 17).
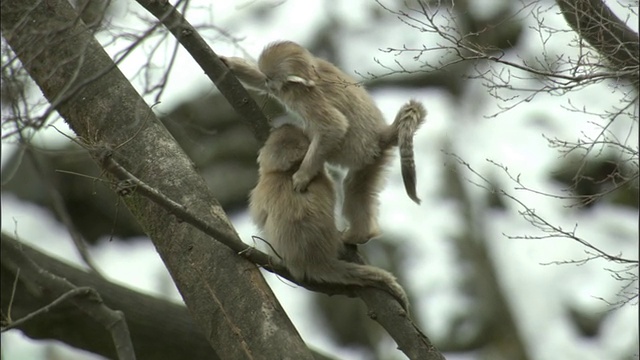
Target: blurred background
(525, 245)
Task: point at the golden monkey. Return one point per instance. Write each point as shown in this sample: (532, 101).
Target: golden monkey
(345, 126)
(301, 225)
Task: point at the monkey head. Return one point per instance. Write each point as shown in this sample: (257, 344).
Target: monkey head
(284, 63)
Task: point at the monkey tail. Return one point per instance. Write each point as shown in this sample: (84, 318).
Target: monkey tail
(409, 118)
(346, 273)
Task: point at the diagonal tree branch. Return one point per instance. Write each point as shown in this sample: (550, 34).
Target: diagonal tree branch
(173, 335)
(225, 81)
(603, 30)
(85, 299)
(226, 294)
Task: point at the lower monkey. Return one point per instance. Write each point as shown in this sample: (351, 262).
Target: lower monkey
(301, 226)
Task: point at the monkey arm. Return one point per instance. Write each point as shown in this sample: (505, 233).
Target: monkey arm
(246, 72)
(257, 210)
(327, 127)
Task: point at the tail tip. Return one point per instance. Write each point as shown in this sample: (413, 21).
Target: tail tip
(417, 107)
(414, 197)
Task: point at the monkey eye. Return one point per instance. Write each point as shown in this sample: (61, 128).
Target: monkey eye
(271, 84)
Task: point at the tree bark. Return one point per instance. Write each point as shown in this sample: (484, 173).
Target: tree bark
(603, 30)
(46, 304)
(226, 294)
(171, 336)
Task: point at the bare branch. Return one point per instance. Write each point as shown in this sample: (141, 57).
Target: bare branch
(551, 230)
(109, 111)
(549, 75)
(224, 80)
(86, 299)
(174, 335)
(79, 291)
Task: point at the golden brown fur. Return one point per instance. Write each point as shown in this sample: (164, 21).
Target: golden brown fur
(345, 126)
(300, 226)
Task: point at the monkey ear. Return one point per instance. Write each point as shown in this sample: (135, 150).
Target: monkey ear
(299, 80)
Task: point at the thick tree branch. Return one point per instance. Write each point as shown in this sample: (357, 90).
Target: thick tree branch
(51, 286)
(170, 336)
(603, 30)
(226, 294)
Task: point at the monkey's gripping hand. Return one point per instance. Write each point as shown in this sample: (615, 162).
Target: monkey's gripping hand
(246, 72)
(312, 164)
(301, 180)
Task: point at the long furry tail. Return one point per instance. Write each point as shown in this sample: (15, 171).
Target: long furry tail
(346, 273)
(400, 133)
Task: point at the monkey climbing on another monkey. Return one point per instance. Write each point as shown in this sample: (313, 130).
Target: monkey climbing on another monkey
(345, 126)
(300, 226)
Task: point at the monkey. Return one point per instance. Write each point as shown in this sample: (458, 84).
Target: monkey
(345, 126)
(301, 226)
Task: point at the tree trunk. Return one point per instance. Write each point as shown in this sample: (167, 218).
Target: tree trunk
(226, 295)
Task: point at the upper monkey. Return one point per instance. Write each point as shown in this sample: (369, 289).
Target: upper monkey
(345, 127)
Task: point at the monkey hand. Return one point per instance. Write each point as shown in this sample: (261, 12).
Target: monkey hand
(357, 238)
(235, 63)
(230, 62)
(301, 180)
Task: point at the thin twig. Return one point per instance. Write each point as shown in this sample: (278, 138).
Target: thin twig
(71, 293)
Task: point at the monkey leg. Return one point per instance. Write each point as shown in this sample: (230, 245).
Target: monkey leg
(360, 208)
